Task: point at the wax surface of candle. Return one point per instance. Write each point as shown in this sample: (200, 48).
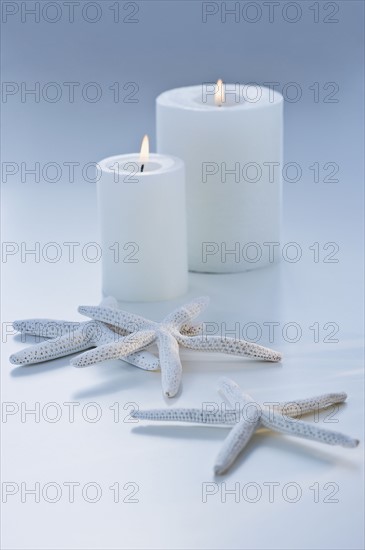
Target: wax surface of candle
(233, 157)
(143, 227)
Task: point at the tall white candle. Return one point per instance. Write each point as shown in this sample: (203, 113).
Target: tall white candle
(230, 138)
(143, 227)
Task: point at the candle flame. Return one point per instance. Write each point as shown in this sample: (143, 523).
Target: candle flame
(145, 150)
(219, 95)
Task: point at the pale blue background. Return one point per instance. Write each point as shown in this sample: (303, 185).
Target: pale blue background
(169, 47)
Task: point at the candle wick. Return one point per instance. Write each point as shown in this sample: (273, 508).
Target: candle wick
(142, 167)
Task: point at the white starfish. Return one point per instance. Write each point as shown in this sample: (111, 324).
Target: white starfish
(250, 416)
(68, 337)
(168, 337)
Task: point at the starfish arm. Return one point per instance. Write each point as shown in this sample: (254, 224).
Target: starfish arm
(117, 330)
(191, 330)
(170, 364)
(75, 334)
(143, 359)
(230, 346)
(52, 349)
(52, 328)
(234, 443)
(186, 313)
(47, 328)
(298, 407)
(115, 317)
(109, 301)
(232, 392)
(306, 430)
(115, 350)
(198, 416)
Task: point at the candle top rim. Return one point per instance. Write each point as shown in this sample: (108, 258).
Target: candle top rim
(166, 163)
(190, 98)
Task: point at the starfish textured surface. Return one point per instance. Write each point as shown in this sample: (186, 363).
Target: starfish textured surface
(68, 337)
(246, 416)
(169, 335)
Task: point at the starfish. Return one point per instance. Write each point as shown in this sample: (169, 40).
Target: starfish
(68, 337)
(168, 336)
(279, 417)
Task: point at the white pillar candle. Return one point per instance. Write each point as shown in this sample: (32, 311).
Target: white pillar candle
(230, 138)
(143, 227)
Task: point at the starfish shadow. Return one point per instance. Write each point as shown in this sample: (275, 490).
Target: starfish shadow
(113, 386)
(266, 441)
(28, 339)
(40, 368)
(121, 376)
(183, 432)
(218, 362)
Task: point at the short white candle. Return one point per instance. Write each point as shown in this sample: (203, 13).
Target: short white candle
(142, 214)
(230, 138)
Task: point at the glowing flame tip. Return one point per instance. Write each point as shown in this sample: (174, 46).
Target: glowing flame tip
(220, 95)
(145, 150)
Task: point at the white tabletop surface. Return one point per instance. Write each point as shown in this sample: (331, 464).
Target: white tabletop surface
(168, 464)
